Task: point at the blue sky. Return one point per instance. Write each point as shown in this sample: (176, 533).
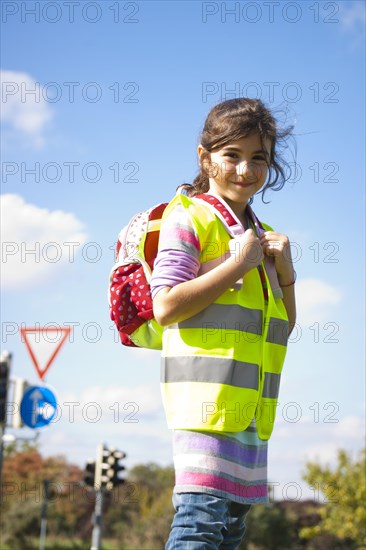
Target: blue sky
(120, 93)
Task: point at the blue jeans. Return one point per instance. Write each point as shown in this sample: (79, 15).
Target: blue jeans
(204, 521)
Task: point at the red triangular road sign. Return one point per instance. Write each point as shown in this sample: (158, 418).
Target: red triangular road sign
(43, 344)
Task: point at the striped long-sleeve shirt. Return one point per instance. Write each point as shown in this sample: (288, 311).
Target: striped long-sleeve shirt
(233, 465)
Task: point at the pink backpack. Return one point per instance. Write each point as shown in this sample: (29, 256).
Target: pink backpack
(129, 289)
(130, 301)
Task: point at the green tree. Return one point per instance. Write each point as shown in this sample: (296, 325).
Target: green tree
(343, 514)
(22, 495)
(22, 524)
(268, 528)
(139, 513)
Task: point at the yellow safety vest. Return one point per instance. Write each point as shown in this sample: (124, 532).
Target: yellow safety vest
(222, 367)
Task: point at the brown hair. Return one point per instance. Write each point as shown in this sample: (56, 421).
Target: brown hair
(232, 120)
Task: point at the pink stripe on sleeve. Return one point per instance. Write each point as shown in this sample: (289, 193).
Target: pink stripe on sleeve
(185, 235)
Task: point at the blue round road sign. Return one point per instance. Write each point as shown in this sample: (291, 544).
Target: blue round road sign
(38, 406)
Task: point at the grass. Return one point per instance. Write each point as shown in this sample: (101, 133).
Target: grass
(68, 544)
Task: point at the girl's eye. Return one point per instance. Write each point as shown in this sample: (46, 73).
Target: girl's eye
(259, 157)
(231, 155)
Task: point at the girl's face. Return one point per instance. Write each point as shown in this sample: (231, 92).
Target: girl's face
(239, 169)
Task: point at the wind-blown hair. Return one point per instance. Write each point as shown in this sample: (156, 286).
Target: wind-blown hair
(236, 118)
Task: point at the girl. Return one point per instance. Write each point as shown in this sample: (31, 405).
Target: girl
(227, 304)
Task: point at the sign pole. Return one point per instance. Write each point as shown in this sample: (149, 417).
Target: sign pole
(5, 366)
(97, 529)
(42, 536)
(2, 433)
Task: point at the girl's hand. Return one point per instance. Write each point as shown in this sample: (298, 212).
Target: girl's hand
(251, 252)
(278, 246)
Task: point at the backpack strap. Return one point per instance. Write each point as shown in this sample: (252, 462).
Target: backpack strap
(230, 221)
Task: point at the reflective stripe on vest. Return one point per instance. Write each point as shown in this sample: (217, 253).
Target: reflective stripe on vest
(271, 385)
(222, 367)
(210, 369)
(227, 316)
(277, 331)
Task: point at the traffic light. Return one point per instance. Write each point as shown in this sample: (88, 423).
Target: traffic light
(114, 460)
(108, 468)
(5, 360)
(89, 474)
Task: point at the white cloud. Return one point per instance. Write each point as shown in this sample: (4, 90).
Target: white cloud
(130, 418)
(116, 403)
(295, 444)
(36, 242)
(350, 427)
(352, 17)
(315, 300)
(319, 439)
(324, 452)
(24, 114)
(79, 441)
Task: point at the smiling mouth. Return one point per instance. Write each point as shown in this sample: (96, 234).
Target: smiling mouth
(244, 184)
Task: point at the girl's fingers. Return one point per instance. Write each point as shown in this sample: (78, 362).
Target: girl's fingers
(273, 245)
(273, 248)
